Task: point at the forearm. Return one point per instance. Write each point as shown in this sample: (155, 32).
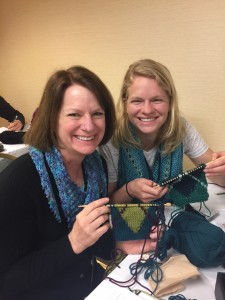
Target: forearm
(140, 188)
(121, 195)
(9, 113)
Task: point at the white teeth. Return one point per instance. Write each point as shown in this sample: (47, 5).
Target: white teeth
(85, 138)
(147, 119)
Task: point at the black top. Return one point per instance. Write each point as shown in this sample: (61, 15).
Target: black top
(36, 258)
(9, 113)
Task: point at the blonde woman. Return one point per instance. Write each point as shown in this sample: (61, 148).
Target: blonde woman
(152, 138)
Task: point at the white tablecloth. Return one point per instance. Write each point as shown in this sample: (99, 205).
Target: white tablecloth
(201, 288)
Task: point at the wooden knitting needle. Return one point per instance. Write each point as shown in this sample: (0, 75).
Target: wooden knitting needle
(132, 205)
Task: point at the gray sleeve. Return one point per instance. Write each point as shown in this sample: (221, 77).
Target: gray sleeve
(194, 145)
(111, 156)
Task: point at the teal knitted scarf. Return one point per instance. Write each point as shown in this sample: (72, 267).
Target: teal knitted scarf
(134, 223)
(132, 164)
(71, 195)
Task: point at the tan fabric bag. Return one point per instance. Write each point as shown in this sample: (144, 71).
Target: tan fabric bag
(175, 271)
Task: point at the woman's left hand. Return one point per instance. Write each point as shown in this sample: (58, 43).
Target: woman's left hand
(217, 165)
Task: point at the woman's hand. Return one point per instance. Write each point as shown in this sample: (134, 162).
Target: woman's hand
(15, 125)
(215, 169)
(145, 190)
(91, 223)
(216, 166)
(136, 246)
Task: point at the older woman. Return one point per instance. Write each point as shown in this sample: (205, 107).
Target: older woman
(48, 243)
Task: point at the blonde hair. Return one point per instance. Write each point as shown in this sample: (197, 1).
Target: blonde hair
(172, 132)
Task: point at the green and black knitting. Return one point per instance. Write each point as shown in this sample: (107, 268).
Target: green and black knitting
(188, 187)
(134, 223)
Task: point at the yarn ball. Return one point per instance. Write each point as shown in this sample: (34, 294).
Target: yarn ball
(191, 234)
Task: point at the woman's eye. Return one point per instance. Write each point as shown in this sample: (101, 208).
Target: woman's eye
(157, 100)
(73, 115)
(136, 101)
(99, 114)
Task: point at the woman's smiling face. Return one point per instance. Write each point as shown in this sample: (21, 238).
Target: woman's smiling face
(147, 106)
(81, 123)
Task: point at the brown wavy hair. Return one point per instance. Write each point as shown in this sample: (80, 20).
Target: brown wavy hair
(42, 133)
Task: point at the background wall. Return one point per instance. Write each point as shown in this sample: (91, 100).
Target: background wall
(39, 37)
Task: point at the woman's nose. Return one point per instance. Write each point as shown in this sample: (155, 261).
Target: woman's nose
(87, 123)
(147, 107)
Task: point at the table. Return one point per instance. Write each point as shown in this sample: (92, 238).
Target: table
(15, 149)
(201, 288)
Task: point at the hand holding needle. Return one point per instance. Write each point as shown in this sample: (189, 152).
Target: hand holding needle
(16, 125)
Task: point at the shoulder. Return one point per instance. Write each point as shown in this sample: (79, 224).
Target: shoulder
(103, 163)
(188, 125)
(194, 144)
(19, 181)
(23, 161)
(108, 150)
(20, 170)
(190, 130)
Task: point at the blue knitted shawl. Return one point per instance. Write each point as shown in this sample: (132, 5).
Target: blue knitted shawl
(71, 195)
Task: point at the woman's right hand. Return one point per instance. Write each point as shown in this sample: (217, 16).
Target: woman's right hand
(145, 190)
(91, 223)
(15, 125)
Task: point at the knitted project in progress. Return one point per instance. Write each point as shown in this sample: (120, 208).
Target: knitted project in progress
(189, 187)
(134, 222)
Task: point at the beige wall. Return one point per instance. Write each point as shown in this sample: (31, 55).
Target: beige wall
(188, 36)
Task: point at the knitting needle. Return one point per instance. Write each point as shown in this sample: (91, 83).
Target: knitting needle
(131, 205)
(179, 177)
